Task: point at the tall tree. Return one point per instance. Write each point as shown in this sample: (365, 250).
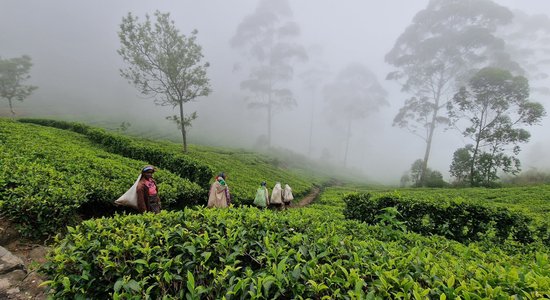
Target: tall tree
(354, 95)
(436, 53)
(528, 42)
(312, 79)
(495, 107)
(13, 72)
(164, 64)
(269, 38)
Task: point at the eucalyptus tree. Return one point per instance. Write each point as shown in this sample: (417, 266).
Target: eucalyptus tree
(268, 37)
(13, 72)
(436, 53)
(494, 108)
(354, 95)
(528, 42)
(164, 64)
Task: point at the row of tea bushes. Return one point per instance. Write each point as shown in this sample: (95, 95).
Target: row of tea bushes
(156, 153)
(245, 170)
(531, 200)
(50, 177)
(246, 253)
(457, 220)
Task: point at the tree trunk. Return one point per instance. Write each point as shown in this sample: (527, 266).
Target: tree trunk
(183, 133)
(348, 135)
(473, 164)
(311, 126)
(269, 112)
(428, 148)
(476, 150)
(11, 108)
(437, 98)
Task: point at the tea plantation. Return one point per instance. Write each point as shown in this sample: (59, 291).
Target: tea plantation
(353, 242)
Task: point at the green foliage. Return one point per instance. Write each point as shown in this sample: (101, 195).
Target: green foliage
(162, 155)
(530, 200)
(49, 178)
(431, 177)
(458, 220)
(12, 74)
(164, 64)
(169, 158)
(242, 253)
(253, 254)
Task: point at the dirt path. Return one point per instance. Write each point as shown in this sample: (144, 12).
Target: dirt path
(20, 281)
(307, 199)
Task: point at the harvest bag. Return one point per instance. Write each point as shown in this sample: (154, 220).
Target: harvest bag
(129, 198)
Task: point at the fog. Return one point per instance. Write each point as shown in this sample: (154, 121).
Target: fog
(73, 47)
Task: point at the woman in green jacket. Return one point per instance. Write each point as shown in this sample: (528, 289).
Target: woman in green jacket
(262, 196)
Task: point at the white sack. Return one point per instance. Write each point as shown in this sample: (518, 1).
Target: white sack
(130, 198)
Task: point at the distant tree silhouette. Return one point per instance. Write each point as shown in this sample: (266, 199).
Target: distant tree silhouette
(355, 94)
(269, 37)
(13, 72)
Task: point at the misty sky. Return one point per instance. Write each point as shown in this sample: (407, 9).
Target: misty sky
(73, 46)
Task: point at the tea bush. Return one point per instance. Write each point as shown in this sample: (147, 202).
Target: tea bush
(246, 253)
(531, 200)
(153, 152)
(460, 221)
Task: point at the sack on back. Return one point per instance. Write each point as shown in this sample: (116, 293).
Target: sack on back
(130, 197)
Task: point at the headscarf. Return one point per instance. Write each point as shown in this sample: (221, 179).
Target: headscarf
(147, 169)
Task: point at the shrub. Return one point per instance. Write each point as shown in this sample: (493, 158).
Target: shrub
(460, 221)
(49, 179)
(246, 253)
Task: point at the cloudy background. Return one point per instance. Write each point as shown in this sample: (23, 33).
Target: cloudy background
(73, 47)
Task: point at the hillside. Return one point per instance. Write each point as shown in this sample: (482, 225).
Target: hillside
(52, 177)
(56, 175)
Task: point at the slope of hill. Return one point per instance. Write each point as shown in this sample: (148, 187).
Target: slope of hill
(245, 170)
(52, 177)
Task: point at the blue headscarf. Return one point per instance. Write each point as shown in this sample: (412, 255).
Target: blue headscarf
(147, 169)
